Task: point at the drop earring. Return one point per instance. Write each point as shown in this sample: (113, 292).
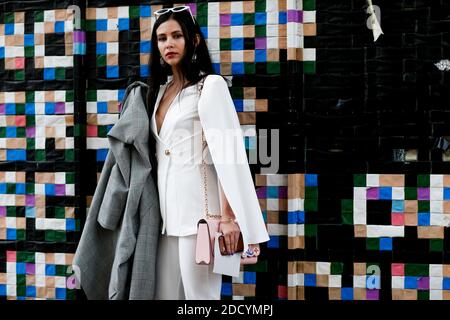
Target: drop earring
(162, 62)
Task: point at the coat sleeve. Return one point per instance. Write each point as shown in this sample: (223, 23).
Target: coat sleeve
(225, 141)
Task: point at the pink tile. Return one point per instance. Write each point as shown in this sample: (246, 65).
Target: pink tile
(20, 63)
(398, 269)
(92, 131)
(20, 121)
(10, 256)
(398, 219)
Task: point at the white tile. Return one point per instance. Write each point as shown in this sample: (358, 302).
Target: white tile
(112, 24)
(359, 281)
(296, 204)
(436, 180)
(102, 13)
(375, 231)
(277, 229)
(359, 212)
(309, 54)
(436, 283)
(373, 180)
(49, 16)
(335, 281)
(436, 206)
(437, 193)
(398, 282)
(236, 31)
(360, 193)
(309, 16)
(323, 268)
(436, 295)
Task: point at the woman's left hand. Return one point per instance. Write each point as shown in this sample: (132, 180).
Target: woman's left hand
(230, 231)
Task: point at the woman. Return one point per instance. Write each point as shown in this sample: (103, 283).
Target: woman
(180, 66)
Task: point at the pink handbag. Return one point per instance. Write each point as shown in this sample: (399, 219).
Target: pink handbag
(204, 247)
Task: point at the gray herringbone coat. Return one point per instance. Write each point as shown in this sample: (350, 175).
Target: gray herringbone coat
(116, 255)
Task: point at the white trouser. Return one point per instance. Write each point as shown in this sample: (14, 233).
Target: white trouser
(178, 277)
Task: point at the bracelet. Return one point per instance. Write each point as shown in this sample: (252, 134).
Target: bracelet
(228, 220)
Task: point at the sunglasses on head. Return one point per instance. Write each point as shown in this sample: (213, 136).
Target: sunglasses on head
(160, 12)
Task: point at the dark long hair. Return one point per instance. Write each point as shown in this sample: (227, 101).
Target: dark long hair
(189, 70)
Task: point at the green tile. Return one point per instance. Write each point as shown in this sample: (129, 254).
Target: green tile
(19, 75)
(2, 132)
(359, 180)
(60, 213)
(260, 5)
(347, 206)
(39, 16)
(237, 93)
(69, 155)
(410, 193)
(310, 230)
(70, 294)
(311, 205)
(337, 268)
(134, 12)
(39, 155)
(423, 180)
(30, 121)
(60, 73)
(70, 177)
(249, 19)
(30, 143)
(21, 234)
(225, 44)
(249, 68)
(412, 269)
(101, 131)
(260, 31)
(423, 206)
(347, 218)
(60, 236)
(437, 245)
(11, 211)
(29, 188)
(69, 96)
(9, 17)
(20, 109)
(21, 131)
(309, 5)
(273, 67)
(29, 96)
(61, 270)
(50, 235)
(309, 67)
(10, 188)
(77, 225)
(423, 295)
(373, 244)
(29, 52)
(25, 256)
(91, 95)
(311, 193)
(101, 60)
(260, 266)
(21, 290)
(91, 25)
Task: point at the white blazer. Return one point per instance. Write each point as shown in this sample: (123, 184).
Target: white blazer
(179, 156)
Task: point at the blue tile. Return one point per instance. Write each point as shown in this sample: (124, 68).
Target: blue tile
(252, 142)
(60, 293)
(49, 189)
(311, 180)
(144, 70)
(29, 40)
(238, 105)
(347, 293)
(204, 30)
(50, 270)
(9, 29)
(144, 47)
(385, 244)
(29, 108)
(10, 108)
(274, 242)
(102, 107)
(50, 108)
(292, 217)
(112, 71)
(237, 44)
(144, 11)
(31, 292)
(385, 193)
(310, 280)
(301, 217)
(100, 48)
(70, 224)
(101, 25)
(2, 52)
(260, 18)
(21, 268)
(410, 282)
(227, 289)
(260, 55)
(3, 290)
(124, 24)
(20, 188)
(11, 132)
(446, 283)
(2, 188)
(237, 19)
(282, 17)
(237, 68)
(49, 73)
(101, 154)
(446, 193)
(59, 27)
(424, 219)
(11, 234)
(250, 277)
(16, 155)
(120, 94)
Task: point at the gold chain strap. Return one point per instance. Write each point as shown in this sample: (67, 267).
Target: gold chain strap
(205, 184)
